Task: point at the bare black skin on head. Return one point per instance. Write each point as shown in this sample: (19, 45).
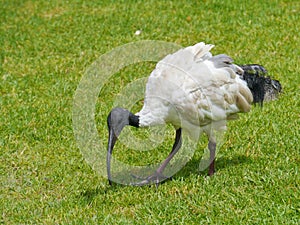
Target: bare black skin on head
(117, 119)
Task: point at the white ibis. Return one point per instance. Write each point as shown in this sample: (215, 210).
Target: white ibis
(189, 89)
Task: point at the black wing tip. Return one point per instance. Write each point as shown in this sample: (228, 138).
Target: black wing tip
(262, 86)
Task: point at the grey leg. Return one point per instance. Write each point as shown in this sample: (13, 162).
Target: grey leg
(212, 151)
(158, 175)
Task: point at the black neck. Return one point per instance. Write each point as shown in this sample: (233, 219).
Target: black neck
(134, 120)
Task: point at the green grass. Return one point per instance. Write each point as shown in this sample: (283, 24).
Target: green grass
(45, 47)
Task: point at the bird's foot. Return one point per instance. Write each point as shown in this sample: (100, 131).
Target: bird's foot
(211, 173)
(155, 178)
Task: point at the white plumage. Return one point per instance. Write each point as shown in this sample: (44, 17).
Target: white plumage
(188, 84)
(189, 89)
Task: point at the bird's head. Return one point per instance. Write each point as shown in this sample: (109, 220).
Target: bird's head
(117, 119)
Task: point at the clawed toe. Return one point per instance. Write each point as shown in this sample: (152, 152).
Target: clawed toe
(155, 178)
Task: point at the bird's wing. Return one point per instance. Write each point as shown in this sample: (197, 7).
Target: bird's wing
(195, 86)
(200, 51)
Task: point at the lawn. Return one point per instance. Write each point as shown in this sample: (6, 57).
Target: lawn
(46, 47)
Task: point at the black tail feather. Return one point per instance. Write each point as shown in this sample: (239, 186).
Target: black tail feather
(263, 88)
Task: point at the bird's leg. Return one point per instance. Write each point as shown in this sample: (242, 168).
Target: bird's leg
(176, 147)
(212, 151)
(158, 175)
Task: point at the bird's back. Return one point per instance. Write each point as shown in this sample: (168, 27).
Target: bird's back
(191, 86)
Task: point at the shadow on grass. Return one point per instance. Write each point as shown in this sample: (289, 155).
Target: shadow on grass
(90, 194)
(192, 167)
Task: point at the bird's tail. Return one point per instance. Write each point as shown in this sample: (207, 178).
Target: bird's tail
(263, 88)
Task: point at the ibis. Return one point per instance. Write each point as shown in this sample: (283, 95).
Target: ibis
(191, 89)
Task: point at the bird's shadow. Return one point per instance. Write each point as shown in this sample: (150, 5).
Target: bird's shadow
(192, 167)
(90, 194)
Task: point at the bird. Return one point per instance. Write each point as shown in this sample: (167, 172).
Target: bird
(191, 89)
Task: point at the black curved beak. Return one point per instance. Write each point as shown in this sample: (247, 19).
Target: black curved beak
(111, 143)
(117, 119)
